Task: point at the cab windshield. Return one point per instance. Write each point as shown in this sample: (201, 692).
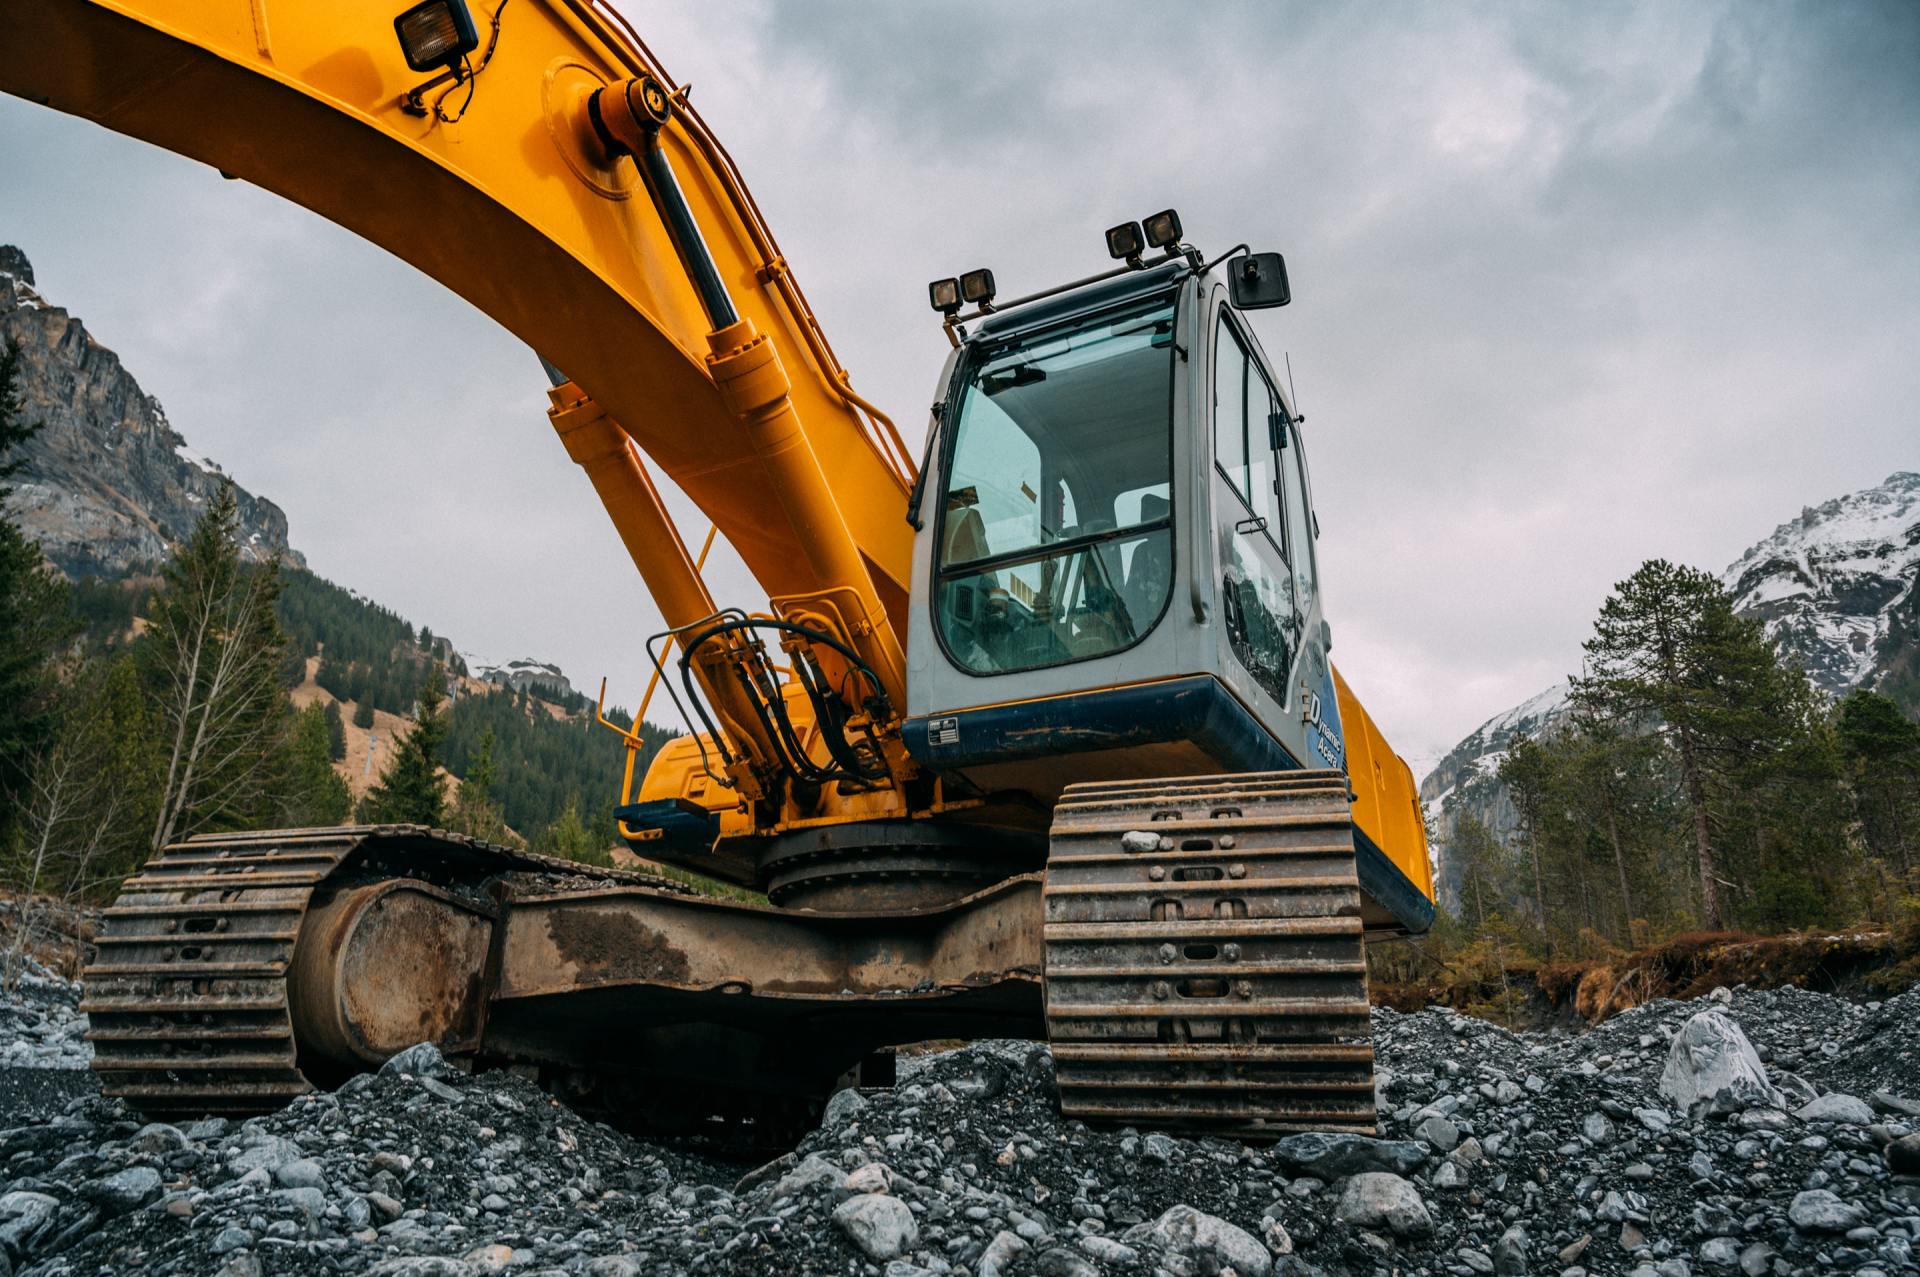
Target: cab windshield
(1056, 540)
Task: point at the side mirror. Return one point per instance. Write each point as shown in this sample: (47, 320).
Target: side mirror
(1258, 281)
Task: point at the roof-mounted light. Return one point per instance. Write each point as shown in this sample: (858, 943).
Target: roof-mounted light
(436, 33)
(1163, 231)
(1124, 242)
(944, 294)
(976, 286)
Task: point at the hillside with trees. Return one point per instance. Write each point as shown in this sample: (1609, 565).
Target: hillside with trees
(217, 690)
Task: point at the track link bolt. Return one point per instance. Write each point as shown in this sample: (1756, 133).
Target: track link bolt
(1244, 988)
(172, 925)
(1236, 871)
(1166, 953)
(1157, 872)
(1161, 989)
(1227, 841)
(1166, 843)
(1231, 952)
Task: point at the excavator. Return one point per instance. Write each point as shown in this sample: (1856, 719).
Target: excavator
(1033, 735)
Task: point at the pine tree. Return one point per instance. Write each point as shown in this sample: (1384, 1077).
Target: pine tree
(411, 790)
(1882, 751)
(474, 811)
(1668, 649)
(36, 621)
(213, 653)
(336, 733)
(1527, 771)
(569, 838)
(363, 713)
(314, 793)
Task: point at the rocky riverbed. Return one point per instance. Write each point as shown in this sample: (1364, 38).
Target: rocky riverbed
(1746, 1133)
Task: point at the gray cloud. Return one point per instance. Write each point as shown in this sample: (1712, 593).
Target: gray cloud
(1574, 286)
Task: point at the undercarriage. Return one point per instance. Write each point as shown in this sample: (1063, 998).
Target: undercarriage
(1192, 949)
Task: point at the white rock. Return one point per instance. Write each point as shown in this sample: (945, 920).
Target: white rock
(1209, 1241)
(1818, 1211)
(1374, 1198)
(1712, 1065)
(881, 1226)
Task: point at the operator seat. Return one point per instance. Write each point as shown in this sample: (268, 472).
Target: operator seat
(1151, 572)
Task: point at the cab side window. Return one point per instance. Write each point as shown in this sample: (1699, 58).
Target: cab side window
(1299, 523)
(1229, 408)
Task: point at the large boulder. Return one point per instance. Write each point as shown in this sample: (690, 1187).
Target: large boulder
(1712, 1068)
(1208, 1243)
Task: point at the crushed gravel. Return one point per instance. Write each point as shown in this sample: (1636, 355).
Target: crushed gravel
(1500, 1153)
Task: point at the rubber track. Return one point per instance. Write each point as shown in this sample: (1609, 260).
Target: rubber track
(1215, 981)
(186, 998)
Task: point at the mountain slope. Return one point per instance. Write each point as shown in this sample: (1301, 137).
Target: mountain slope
(109, 483)
(1838, 589)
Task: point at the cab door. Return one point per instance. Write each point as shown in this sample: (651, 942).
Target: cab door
(1260, 601)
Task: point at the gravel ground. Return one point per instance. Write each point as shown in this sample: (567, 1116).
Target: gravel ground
(1661, 1144)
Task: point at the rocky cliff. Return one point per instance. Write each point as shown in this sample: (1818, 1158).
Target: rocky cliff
(109, 484)
(1838, 589)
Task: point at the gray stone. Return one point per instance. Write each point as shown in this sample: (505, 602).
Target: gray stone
(300, 1173)
(1375, 1198)
(1835, 1107)
(23, 1216)
(1903, 1155)
(1157, 1147)
(422, 1059)
(125, 1190)
(1597, 1127)
(1107, 1250)
(385, 1205)
(815, 1175)
(1720, 1252)
(231, 1238)
(1817, 1210)
(843, 1107)
(1756, 1260)
(1333, 1156)
(1510, 1253)
(310, 1203)
(1439, 1131)
(1000, 1254)
(158, 1137)
(1713, 1068)
(1208, 1242)
(1061, 1262)
(881, 1226)
(266, 1153)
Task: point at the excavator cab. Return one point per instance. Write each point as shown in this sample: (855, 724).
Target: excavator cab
(1115, 574)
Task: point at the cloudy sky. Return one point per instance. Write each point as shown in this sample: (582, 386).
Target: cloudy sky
(1574, 286)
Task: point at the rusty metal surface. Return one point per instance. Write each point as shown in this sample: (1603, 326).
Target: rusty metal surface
(1205, 960)
(188, 1000)
(381, 966)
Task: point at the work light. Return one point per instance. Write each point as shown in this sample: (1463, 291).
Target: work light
(1163, 229)
(1124, 241)
(977, 286)
(436, 33)
(945, 295)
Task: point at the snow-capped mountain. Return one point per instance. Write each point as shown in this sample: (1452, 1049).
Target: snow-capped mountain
(109, 484)
(1838, 589)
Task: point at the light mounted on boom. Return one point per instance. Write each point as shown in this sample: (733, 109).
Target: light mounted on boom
(437, 34)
